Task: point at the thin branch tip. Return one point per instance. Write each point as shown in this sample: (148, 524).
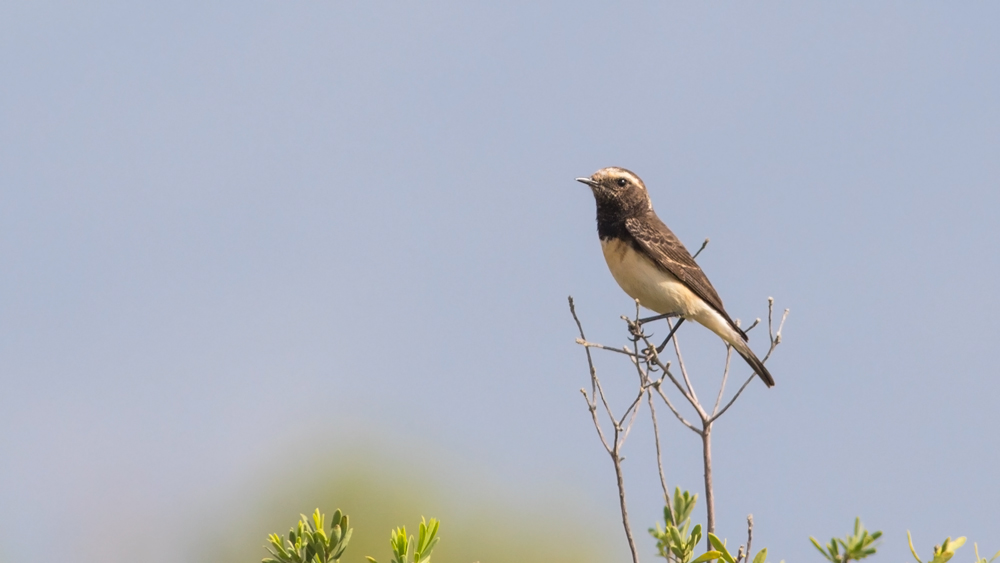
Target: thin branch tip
(703, 245)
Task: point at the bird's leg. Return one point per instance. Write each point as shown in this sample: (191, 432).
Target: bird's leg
(660, 348)
(656, 318)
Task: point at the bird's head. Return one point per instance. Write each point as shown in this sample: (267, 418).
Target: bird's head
(619, 192)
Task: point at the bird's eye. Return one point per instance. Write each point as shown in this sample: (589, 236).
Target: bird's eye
(621, 182)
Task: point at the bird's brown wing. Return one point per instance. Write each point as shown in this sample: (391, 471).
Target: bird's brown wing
(666, 250)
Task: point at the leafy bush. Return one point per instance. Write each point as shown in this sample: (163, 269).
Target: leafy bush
(852, 548)
(309, 542)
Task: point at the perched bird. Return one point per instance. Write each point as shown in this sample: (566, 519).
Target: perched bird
(649, 262)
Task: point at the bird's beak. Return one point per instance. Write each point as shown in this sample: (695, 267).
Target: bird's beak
(590, 182)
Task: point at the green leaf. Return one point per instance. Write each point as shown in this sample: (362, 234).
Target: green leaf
(668, 514)
(818, 546)
(427, 539)
(761, 556)
(683, 505)
(708, 556)
(342, 544)
(912, 550)
(675, 536)
(319, 535)
(837, 541)
(945, 551)
(720, 546)
(696, 533)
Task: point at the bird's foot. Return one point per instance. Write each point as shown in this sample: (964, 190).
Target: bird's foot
(635, 327)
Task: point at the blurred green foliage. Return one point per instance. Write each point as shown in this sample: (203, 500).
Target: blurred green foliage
(309, 542)
(381, 493)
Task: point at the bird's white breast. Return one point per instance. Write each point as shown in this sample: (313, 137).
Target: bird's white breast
(659, 290)
(655, 288)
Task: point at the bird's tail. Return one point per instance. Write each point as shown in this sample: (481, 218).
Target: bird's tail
(721, 324)
(743, 349)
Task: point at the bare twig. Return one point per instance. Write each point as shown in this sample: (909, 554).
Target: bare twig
(706, 450)
(693, 397)
(592, 406)
(586, 344)
(643, 384)
(637, 360)
(659, 453)
(634, 410)
(677, 414)
(616, 458)
(725, 376)
(621, 497)
(775, 336)
(703, 245)
(667, 373)
(615, 450)
(590, 359)
(749, 535)
(733, 400)
(604, 400)
(654, 357)
(770, 318)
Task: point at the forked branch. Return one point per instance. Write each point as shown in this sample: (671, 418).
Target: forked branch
(646, 360)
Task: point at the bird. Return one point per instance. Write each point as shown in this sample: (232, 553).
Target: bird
(651, 264)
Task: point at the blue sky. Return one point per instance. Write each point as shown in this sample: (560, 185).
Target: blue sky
(221, 225)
